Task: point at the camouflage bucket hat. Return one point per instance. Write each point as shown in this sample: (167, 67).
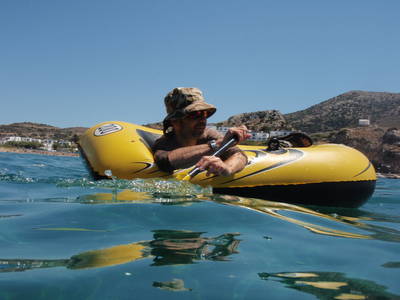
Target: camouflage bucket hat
(182, 101)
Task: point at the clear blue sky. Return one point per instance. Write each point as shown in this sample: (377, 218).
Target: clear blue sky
(80, 62)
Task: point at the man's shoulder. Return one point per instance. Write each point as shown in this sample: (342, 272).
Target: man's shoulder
(164, 142)
(211, 133)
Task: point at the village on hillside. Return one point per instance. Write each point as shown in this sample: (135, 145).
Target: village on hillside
(49, 145)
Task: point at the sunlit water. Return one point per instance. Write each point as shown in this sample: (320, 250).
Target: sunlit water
(63, 236)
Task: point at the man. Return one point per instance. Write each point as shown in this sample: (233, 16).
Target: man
(187, 141)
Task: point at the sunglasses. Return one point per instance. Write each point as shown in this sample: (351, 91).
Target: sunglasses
(200, 114)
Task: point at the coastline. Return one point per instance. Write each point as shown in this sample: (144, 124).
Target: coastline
(388, 175)
(40, 152)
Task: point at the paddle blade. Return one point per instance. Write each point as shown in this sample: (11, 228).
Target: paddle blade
(186, 175)
(183, 176)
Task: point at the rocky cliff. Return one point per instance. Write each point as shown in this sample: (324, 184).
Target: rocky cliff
(266, 120)
(382, 109)
(343, 111)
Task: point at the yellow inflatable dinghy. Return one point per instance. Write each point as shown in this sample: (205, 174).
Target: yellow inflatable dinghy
(328, 174)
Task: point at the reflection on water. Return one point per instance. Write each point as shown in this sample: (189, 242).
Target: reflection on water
(330, 285)
(130, 196)
(362, 220)
(392, 264)
(175, 285)
(272, 208)
(169, 247)
(355, 219)
(182, 247)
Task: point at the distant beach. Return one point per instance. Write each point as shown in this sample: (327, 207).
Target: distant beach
(33, 151)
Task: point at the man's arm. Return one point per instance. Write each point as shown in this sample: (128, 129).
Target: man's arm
(214, 165)
(236, 162)
(187, 156)
(183, 157)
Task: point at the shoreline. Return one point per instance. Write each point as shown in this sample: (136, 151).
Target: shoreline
(388, 175)
(40, 152)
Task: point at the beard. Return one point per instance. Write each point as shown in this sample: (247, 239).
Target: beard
(198, 131)
(190, 131)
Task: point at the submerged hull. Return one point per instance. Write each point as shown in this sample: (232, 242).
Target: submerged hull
(329, 174)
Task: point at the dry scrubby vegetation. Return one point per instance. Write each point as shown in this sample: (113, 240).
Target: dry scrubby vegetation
(382, 109)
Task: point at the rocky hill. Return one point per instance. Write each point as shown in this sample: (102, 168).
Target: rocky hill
(343, 111)
(40, 131)
(382, 109)
(266, 120)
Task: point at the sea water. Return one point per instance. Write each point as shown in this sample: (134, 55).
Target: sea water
(63, 236)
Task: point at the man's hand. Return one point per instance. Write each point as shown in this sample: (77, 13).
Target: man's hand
(214, 165)
(241, 133)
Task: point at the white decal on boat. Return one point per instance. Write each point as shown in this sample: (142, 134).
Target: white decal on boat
(107, 129)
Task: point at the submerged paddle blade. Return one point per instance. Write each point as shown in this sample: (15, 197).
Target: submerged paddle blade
(186, 175)
(183, 176)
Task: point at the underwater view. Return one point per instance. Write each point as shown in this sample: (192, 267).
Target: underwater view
(64, 236)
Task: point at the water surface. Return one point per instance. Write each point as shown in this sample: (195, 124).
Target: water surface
(63, 236)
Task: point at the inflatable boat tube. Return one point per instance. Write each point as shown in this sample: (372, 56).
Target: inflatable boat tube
(325, 175)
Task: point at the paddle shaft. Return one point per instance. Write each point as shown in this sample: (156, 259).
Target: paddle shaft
(217, 153)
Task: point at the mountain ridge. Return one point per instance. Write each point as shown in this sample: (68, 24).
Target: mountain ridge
(344, 110)
(40, 131)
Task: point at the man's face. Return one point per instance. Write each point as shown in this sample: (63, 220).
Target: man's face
(193, 125)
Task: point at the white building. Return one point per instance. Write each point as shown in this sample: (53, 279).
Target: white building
(363, 122)
(259, 136)
(11, 139)
(255, 135)
(279, 133)
(47, 144)
(20, 139)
